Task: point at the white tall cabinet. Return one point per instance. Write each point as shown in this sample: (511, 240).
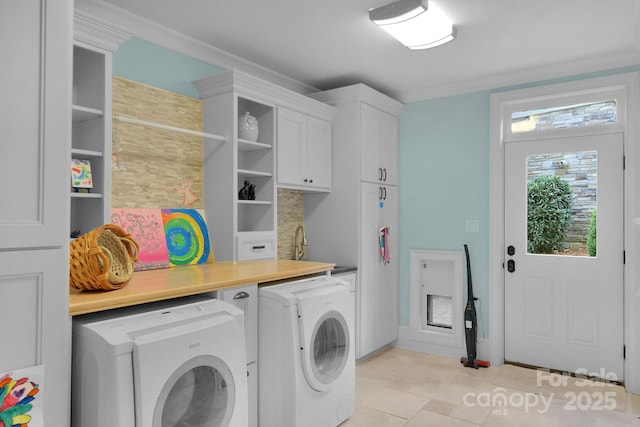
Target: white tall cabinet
(34, 191)
(343, 226)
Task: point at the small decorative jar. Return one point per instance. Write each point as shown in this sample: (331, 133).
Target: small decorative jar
(248, 127)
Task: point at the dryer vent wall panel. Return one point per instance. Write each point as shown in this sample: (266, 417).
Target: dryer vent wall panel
(437, 289)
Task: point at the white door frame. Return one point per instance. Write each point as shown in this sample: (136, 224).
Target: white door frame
(625, 88)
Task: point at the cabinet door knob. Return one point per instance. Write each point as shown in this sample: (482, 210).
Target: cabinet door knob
(385, 174)
(379, 193)
(379, 174)
(306, 180)
(310, 181)
(385, 193)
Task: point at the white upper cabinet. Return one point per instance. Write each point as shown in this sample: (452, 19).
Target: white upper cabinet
(34, 165)
(304, 151)
(379, 146)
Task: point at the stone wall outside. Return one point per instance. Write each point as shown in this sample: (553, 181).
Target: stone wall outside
(580, 171)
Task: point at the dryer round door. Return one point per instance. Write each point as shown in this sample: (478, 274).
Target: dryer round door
(200, 393)
(329, 349)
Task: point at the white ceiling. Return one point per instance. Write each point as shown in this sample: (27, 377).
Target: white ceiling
(330, 43)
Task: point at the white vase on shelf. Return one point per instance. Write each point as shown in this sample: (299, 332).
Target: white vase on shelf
(248, 127)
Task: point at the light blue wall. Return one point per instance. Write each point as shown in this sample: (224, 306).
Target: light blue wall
(444, 147)
(444, 180)
(156, 66)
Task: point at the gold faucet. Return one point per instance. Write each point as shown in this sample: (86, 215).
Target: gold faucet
(300, 245)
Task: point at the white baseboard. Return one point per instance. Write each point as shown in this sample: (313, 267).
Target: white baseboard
(404, 341)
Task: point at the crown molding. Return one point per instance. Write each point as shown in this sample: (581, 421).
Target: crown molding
(251, 86)
(528, 76)
(168, 38)
(360, 93)
(87, 29)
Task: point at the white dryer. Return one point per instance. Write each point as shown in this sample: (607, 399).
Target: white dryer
(306, 353)
(160, 365)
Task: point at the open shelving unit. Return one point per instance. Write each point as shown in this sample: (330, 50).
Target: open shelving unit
(240, 229)
(93, 47)
(90, 134)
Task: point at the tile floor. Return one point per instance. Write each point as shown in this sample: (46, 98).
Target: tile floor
(403, 388)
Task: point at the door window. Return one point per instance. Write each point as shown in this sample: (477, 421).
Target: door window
(561, 203)
(330, 347)
(565, 116)
(200, 393)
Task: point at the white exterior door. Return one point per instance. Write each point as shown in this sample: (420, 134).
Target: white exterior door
(565, 311)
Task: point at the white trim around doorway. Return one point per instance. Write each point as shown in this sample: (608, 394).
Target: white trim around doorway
(625, 88)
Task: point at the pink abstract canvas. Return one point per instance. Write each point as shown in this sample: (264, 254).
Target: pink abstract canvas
(147, 229)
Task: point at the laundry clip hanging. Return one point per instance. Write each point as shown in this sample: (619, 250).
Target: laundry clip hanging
(383, 240)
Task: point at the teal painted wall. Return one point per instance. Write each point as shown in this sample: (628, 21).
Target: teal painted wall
(444, 149)
(156, 66)
(444, 180)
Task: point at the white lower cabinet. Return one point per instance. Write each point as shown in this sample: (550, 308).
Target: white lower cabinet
(377, 293)
(255, 246)
(36, 331)
(246, 298)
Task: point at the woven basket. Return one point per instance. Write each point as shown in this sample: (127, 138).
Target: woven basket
(102, 259)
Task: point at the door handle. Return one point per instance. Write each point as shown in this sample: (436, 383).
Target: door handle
(385, 174)
(511, 266)
(379, 174)
(384, 189)
(379, 193)
(241, 295)
(511, 251)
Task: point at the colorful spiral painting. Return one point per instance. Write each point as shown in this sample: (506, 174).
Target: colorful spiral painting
(16, 400)
(187, 237)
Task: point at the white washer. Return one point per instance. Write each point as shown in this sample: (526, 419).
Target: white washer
(161, 365)
(307, 354)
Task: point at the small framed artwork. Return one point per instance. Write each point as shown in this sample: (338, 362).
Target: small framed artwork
(21, 395)
(81, 175)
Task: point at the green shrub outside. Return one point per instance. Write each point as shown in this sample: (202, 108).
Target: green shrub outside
(548, 214)
(592, 236)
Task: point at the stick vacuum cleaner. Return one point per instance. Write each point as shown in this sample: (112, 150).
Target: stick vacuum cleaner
(471, 324)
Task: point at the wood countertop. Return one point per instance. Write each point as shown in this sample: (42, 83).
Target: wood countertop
(156, 285)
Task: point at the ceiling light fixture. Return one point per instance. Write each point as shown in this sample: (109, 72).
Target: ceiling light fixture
(414, 23)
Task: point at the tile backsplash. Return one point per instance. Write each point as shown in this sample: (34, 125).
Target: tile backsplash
(290, 215)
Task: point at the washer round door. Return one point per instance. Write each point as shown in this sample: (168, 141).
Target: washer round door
(200, 393)
(327, 351)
